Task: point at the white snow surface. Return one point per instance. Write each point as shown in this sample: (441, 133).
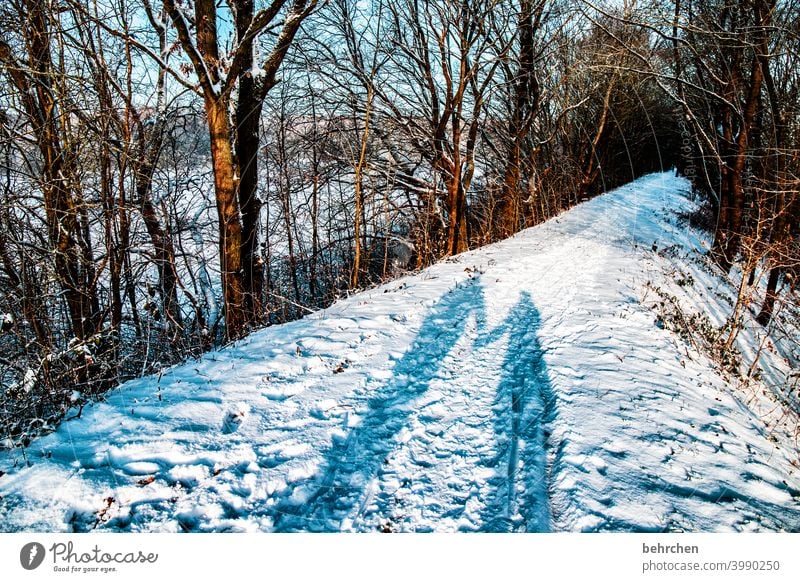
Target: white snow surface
(524, 386)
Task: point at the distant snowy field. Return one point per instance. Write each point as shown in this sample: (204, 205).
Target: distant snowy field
(524, 386)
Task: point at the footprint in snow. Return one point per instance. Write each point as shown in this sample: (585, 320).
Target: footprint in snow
(234, 418)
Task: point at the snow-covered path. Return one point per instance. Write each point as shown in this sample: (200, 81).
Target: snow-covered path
(520, 387)
(435, 430)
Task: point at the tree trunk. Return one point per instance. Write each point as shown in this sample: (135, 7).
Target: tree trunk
(509, 210)
(359, 194)
(43, 109)
(164, 257)
(734, 217)
(765, 315)
(248, 118)
(230, 226)
(526, 102)
(454, 195)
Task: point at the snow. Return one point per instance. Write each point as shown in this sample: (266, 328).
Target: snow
(525, 386)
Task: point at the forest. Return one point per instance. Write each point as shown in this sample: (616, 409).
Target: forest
(178, 173)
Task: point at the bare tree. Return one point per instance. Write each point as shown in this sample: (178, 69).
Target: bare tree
(219, 72)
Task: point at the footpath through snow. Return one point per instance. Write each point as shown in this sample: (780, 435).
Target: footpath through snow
(521, 387)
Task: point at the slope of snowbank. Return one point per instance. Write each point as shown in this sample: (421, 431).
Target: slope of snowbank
(524, 386)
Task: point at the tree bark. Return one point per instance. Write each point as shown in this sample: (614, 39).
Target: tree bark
(248, 116)
(230, 225)
(525, 104)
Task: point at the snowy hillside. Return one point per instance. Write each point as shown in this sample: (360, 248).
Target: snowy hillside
(525, 386)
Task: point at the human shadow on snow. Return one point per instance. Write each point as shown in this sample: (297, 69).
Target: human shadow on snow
(523, 408)
(352, 462)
